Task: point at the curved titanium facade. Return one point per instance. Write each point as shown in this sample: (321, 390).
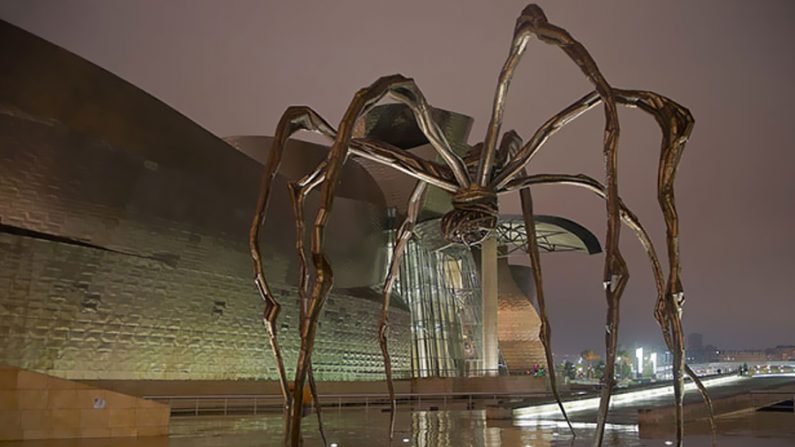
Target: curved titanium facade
(123, 251)
(517, 320)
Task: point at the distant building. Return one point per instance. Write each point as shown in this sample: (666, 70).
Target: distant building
(781, 352)
(695, 342)
(667, 359)
(697, 352)
(743, 356)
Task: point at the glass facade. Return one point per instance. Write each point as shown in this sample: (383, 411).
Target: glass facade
(442, 291)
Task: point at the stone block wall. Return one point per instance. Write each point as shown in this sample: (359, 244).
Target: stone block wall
(38, 406)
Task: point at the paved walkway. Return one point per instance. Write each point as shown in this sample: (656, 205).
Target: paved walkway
(627, 412)
(360, 428)
(356, 428)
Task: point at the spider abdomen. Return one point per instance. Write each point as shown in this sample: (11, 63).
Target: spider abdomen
(473, 217)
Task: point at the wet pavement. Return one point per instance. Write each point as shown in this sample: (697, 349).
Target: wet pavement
(626, 412)
(358, 428)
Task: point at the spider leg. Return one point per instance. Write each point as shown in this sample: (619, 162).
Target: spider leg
(522, 157)
(707, 401)
(401, 241)
(402, 89)
(298, 192)
(545, 332)
(293, 120)
(676, 124)
(510, 143)
(404, 161)
(380, 152)
(409, 94)
(533, 22)
(665, 318)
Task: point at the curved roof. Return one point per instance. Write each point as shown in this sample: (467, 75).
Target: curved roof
(123, 171)
(393, 123)
(300, 157)
(554, 234)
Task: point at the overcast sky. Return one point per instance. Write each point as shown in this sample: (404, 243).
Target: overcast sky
(233, 67)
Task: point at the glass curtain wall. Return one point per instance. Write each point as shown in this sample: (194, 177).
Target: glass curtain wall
(442, 289)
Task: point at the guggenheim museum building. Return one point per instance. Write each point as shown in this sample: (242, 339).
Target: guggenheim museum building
(124, 251)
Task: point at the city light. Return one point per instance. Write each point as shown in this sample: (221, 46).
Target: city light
(653, 360)
(592, 403)
(639, 357)
(547, 424)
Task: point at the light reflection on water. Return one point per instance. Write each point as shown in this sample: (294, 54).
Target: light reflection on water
(415, 429)
(471, 429)
(353, 428)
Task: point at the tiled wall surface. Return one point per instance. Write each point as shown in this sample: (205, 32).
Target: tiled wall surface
(142, 271)
(518, 324)
(85, 314)
(37, 406)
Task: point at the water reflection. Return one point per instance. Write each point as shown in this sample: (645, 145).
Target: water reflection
(471, 429)
(354, 428)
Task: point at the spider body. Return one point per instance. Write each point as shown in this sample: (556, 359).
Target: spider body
(473, 217)
(474, 183)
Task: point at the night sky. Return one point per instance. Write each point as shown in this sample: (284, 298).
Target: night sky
(233, 67)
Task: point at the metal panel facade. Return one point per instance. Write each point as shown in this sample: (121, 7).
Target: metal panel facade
(123, 250)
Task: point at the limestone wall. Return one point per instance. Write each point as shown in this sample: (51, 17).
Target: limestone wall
(37, 406)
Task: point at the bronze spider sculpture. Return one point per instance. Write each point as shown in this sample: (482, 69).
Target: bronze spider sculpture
(474, 183)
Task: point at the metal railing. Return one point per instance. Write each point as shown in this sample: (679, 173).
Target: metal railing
(407, 374)
(239, 404)
(196, 405)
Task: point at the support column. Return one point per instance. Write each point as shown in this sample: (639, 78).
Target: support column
(488, 284)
